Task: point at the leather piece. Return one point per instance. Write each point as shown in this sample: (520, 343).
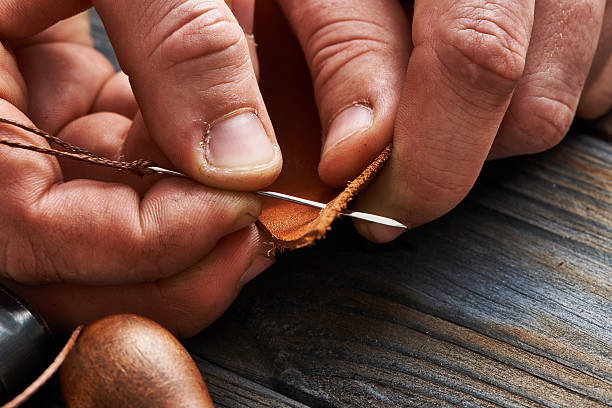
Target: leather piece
(286, 87)
(294, 226)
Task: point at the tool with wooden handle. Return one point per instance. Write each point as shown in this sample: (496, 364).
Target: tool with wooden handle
(129, 361)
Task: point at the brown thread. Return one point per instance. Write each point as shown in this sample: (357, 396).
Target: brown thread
(141, 167)
(49, 371)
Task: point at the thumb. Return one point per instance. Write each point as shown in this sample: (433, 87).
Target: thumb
(357, 53)
(189, 66)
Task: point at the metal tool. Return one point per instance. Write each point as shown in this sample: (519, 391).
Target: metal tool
(27, 345)
(349, 213)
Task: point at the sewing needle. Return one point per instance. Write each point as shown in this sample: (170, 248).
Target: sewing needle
(349, 213)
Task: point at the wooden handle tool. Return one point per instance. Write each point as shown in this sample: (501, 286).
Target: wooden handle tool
(129, 361)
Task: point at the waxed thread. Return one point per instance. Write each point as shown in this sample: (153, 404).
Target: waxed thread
(141, 167)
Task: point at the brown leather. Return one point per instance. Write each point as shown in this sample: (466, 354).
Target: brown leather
(129, 361)
(286, 87)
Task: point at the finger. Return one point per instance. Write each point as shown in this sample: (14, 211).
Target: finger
(12, 85)
(88, 232)
(190, 70)
(357, 54)
(114, 137)
(63, 81)
(174, 225)
(75, 29)
(244, 10)
(24, 18)
(596, 98)
(25, 174)
(116, 96)
(184, 303)
(467, 58)
(563, 44)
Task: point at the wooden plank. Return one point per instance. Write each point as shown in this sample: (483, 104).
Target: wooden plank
(504, 302)
(229, 390)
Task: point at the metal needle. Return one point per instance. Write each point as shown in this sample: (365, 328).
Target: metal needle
(354, 214)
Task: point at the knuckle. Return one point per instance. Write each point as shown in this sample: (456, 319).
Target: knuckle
(541, 124)
(485, 45)
(200, 30)
(338, 45)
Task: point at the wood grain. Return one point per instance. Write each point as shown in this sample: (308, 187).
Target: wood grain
(507, 301)
(231, 390)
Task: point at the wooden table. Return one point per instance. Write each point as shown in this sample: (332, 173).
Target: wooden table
(506, 301)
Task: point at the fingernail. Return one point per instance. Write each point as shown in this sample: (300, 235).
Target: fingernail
(239, 141)
(242, 222)
(260, 263)
(382, 233)
(244, 10)
(352, 121)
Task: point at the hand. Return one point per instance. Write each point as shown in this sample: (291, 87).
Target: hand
(485, 80)
(166, 248)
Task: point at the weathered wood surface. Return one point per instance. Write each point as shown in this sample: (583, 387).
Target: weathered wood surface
(231, 390)
(507, 301)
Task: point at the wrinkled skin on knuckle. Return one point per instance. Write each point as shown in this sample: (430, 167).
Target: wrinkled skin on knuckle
(330, 50)
(203, 31)
(539, 124)
(482, 42)
(353, 49)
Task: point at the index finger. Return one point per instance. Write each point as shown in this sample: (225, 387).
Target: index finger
(194, 80)
(467, 59)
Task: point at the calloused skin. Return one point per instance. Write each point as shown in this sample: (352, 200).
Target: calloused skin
(451, 83)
